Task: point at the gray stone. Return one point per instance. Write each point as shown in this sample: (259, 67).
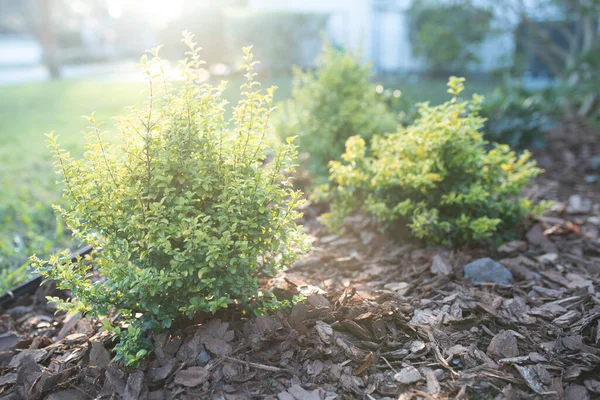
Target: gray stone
(486, 270)
(203, 357)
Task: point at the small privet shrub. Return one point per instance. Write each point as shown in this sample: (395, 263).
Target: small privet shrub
(436, 177)
(516, 116)
(187, 215)
(331, 104)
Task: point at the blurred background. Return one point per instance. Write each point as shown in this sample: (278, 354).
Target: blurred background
(537, 62)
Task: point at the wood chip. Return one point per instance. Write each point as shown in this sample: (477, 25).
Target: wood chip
(408, 375)
(192, 377)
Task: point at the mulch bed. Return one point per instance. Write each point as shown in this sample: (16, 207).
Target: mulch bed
(382, 320)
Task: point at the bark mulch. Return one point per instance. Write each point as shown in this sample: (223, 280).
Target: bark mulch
(382, 320)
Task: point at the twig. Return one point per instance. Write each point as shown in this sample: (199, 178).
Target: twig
(438, 354)
(258, 366)
(389, 365)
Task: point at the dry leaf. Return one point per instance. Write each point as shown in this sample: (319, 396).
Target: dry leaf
(365, 366)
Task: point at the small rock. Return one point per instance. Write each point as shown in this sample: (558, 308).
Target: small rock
(578, 205)
(503, 345)
(408, 375)
(576, 392)
(192, 377)
(203, 357)
(486, 270)
(440, 267)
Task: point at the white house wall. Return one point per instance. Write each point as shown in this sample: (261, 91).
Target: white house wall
(383, 37)
(350, 23)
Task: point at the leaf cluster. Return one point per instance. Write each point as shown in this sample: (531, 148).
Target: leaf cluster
(436, 177)
(187, 214)
(517, 116)
(331, 104)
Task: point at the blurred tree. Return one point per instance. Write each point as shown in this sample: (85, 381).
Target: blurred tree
(34, 17)
(46, 32)
(53, 23)
(446, 33)
(564, 36)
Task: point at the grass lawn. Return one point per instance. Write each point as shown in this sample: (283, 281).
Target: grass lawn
(27, 189)
(435, 91)
(27, 177)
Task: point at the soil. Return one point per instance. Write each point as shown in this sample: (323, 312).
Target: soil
(383, 319)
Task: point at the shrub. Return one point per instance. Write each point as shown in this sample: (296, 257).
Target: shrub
(436, 177)
(187, 216)
(516, 116)
(441, 34)
(396, 101)
(281, 39)
(329, 106)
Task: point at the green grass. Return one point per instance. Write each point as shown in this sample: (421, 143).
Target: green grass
(27, 181)
(435, 91)
(28, 111)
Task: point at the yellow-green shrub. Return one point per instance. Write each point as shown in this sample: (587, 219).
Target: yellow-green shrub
(435, 176)
(187, 215)
(331, 104)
